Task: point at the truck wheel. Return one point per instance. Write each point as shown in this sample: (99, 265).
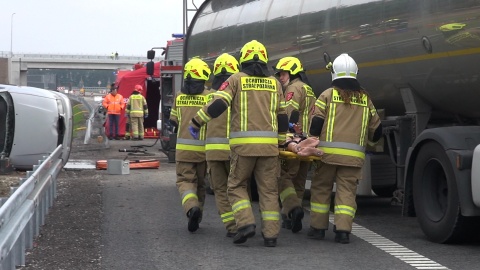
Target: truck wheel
(435, 195)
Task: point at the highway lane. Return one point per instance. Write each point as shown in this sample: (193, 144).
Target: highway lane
(142, 226)
(145, 228)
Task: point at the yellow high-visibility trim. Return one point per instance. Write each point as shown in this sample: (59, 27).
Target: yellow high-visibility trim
(273, 110)
(345, 210)
(189, 196)
(270, 215)
(225, 96)
(294, 104)
(243, 111)
(320, 208)
(227, 217)
(253, 140)
(240, 205)
(189, 147)
(320, 104)
(330, 122)
(343, 152)
(287, 192)
(363, 131)
(217, 146)
(205, 118)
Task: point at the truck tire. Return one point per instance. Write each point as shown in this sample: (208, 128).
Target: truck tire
(435, 195)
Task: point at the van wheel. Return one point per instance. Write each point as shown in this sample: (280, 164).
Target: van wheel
(435, 195)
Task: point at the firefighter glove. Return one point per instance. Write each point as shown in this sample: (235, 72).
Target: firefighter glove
(194, 132)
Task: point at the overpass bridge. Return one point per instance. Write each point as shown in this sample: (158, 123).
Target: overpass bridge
(13, 68)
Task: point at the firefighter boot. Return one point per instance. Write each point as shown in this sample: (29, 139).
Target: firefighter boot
(317, 234)
(296, 216)
(341, 237)
(286, 223)
(244, 233)
(270, 242)
(194, 215)
(231, 234)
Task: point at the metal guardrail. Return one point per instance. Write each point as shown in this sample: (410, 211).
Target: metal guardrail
(24, 211)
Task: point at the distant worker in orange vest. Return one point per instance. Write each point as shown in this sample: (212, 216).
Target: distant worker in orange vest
(137, 110)
(114, 104)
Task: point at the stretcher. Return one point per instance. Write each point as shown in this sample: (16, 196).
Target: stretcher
(134, 164)
(290, 155)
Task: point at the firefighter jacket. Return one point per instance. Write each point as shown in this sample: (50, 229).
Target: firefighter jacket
(300, 97)
(347, 128)
(217, 146)
(184, 108)
(113, 103)
(137, 105)
(257, 114)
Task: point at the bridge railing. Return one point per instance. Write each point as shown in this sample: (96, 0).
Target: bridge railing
(24, 211)
(135, 58)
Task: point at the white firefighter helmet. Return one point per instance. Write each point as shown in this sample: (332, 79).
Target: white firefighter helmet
(344, 67)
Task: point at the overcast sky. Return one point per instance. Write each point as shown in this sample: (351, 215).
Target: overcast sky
(97, 27)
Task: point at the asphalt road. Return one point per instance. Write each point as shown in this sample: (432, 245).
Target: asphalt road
(135, 221)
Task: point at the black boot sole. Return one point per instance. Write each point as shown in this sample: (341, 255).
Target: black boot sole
(193, 219)
(242, 237)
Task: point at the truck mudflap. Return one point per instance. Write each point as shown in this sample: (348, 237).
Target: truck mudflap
(476, 176)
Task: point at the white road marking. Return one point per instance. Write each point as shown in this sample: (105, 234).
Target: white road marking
(402, 253)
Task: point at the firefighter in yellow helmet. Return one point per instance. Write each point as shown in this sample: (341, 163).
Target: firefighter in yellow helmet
(258, 125)
(300, 101)
(345, 121)
(217, 145)
(190, 153)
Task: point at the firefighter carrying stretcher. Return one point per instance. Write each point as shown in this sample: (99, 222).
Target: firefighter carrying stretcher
(258, 126)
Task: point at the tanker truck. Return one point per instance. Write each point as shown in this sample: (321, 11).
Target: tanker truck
(419, 61)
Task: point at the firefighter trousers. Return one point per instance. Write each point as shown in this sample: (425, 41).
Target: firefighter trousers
(191, 184)
(286, 188)
(300, 179)
(345, 206)
(137, 127)
(218, 171)
(265, 172)
(128, 129)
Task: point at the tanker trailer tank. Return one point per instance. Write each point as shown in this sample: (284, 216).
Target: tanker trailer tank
(419, 62)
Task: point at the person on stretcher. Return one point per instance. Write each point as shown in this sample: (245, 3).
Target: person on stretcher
(303, 147)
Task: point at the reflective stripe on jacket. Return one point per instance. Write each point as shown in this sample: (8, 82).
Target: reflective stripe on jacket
(255, 104)
(137, 105)
(301, 98)
(346, 129)
(184, 109)
(217, 145)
